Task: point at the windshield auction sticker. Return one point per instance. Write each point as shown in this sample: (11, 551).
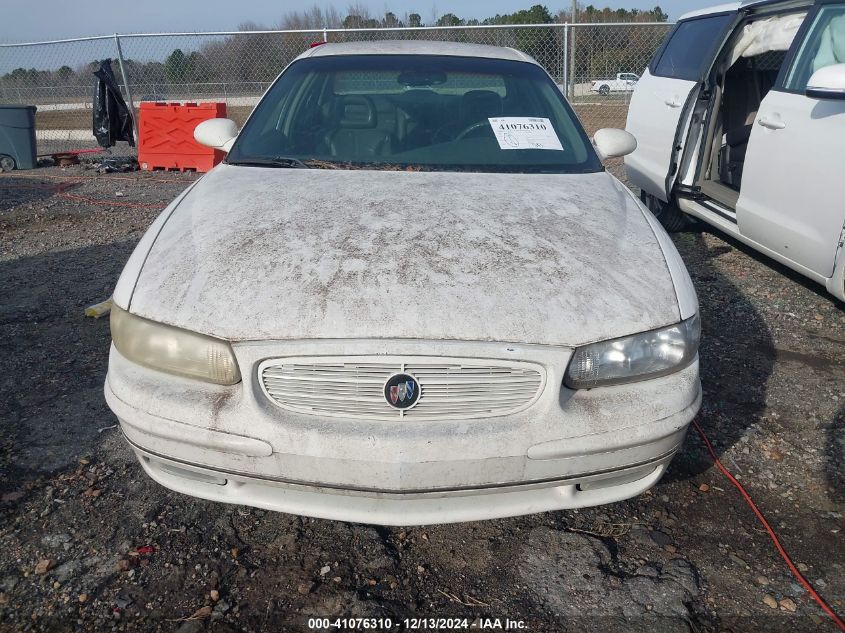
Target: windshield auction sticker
(522, 132)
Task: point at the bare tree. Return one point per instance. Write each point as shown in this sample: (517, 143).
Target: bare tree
(252, 26)
(358, 17)
(313, 18)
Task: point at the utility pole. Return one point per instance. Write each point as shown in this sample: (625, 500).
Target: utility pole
(572, 73)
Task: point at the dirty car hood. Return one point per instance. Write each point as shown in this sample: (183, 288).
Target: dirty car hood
(254, 253)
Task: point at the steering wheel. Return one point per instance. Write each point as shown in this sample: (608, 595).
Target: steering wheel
(470, 129)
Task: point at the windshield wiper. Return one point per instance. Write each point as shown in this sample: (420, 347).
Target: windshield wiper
(275, 161)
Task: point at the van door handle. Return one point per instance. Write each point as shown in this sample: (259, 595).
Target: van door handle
(673, 102)
(772, 124)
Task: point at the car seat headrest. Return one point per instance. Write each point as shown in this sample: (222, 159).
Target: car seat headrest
(480, 104)
(356, 111)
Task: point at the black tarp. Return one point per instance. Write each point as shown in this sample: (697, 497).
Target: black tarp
(112, 119)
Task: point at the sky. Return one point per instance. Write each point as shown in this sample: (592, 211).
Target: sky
(57, 19)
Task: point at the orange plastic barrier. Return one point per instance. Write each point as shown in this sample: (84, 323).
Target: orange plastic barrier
(166, 136)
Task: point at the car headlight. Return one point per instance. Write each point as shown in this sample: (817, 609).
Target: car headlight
(173, 350)
(636, 357)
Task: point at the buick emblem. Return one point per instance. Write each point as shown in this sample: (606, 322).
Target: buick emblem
(401, 391)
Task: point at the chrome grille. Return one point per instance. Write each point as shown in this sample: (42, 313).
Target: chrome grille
(450, 388)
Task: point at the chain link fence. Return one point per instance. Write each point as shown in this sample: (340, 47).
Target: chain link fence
(237, 67)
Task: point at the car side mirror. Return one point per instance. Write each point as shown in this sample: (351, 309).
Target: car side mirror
(827, 83)
(611, 142)
(217, 133)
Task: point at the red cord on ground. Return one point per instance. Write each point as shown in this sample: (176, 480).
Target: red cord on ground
(804, 582)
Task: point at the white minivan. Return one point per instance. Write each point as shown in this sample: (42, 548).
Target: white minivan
(740, 120)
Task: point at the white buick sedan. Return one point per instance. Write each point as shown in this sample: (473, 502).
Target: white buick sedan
(411, 294)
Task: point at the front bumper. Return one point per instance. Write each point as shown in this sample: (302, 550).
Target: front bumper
(417, 508)
(570, 449)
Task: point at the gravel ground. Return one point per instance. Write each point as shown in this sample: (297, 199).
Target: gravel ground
(88, 542)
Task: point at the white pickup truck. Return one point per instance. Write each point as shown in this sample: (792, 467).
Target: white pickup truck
(624, 82)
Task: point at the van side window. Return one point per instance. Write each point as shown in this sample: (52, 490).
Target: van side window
(690, 48)
(823, 46)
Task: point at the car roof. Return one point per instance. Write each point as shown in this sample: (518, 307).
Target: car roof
(418, 47)
(733, 6)
(719, 8)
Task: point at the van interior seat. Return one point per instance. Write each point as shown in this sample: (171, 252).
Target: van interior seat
(832, 47)
(732, 155)
(358, 134)
(746, 83)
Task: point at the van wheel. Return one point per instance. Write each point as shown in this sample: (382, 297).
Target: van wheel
(667, 213)
(7, 163)
(604, 90)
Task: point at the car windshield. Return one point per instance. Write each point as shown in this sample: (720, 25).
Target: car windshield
(415, 112)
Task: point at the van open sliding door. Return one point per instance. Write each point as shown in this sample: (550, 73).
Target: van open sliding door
(664, 97)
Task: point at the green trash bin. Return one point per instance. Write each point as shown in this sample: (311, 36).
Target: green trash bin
(17, 137)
